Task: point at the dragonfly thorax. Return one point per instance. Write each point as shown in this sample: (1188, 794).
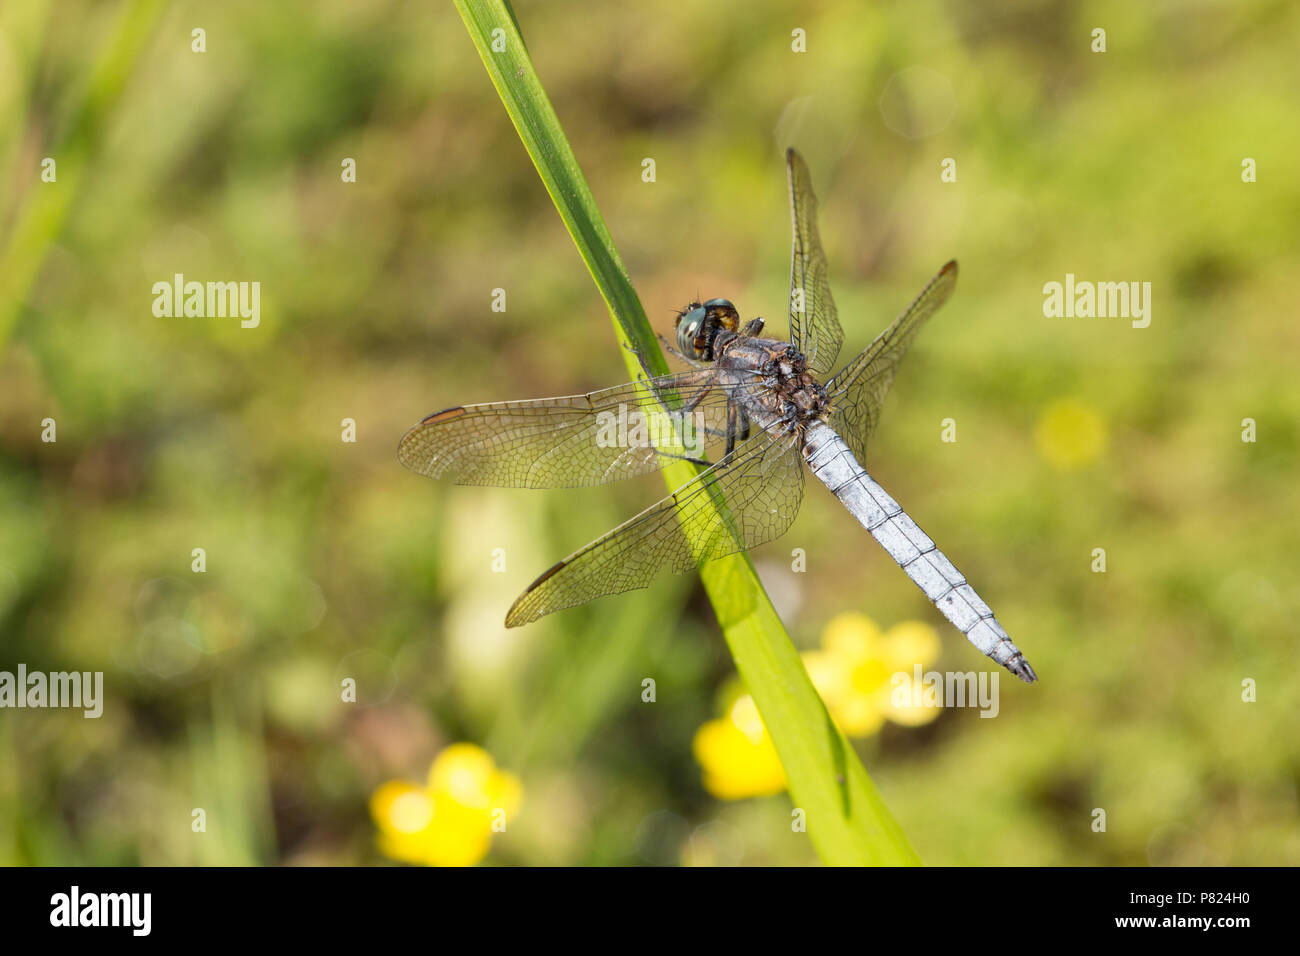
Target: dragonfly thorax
(700, 324)
(790, 393)
(803, 398)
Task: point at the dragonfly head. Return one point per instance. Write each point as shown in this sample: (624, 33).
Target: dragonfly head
(698, 326)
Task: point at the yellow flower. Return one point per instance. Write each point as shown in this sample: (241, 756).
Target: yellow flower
(450, 820)
(1070, 434)
(737, 754)
(469, 776)
(865, 676)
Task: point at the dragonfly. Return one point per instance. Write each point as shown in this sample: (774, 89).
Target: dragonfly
(751, 412)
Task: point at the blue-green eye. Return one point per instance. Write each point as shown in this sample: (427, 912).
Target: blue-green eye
(689, 329)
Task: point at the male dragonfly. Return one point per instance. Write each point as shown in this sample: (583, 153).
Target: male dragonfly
(760, 402)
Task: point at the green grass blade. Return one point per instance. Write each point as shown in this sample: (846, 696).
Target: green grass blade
(846, 818)
(42, 219)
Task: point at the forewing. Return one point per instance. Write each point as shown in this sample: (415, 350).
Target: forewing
(859, 389)
(749, 497)
(814, 323)
(572, 440)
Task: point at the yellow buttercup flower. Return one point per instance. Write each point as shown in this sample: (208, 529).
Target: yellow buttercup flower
(911, 703)
(865, 675)
(1070, 434)
(737, 754)
(468, 775)
(450, 820)
(851, 637)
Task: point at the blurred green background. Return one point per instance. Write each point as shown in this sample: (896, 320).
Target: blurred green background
(327, 560)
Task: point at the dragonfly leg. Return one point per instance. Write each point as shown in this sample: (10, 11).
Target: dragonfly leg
(691, 458)
(646, 374)
(694, 403)
(733, 413)
(687, 409)
(672, 350)
(737, 423)
(704, 375)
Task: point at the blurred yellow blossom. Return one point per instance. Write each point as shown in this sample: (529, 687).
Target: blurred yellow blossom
(866, 676)
(450, 820)
(737, 754)
(1070, 434)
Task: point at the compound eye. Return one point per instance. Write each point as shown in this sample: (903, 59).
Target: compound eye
(689, 328)
(725, 313)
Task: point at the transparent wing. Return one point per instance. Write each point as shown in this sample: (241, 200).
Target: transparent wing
(757, 490)
(859, 389)
(573, 440)
(814, 323)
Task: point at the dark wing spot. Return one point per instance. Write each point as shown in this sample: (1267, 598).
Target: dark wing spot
(545, 574)
(411, 458)
(445, 415)
(515, 617)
